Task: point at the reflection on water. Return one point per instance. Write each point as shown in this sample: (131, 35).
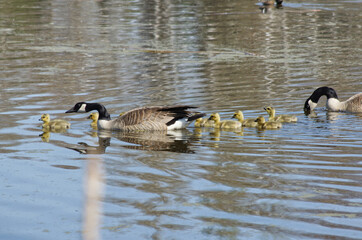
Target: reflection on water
(302, 181)
(84, 148)
(174, 141)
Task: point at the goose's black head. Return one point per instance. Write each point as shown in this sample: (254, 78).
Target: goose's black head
(78, 107)
(312, 101)
(82, 107)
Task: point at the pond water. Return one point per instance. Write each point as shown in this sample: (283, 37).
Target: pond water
(300, 182)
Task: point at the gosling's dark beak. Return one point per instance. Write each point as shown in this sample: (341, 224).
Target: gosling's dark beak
(71, 110)
(89, 117)
(256, 120)
(40, 119)
(209, 118)
(234, 116)
(265, 109)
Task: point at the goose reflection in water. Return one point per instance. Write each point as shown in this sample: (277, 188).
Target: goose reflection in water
(84, 148)
(172, 141)
(45, 136)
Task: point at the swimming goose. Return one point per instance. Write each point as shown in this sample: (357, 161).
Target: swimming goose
(226, 124)
(353, 104)
(141, 119)
(279, 118)
(201, 122)
(267, 125)
(55, 124)
(245, 122)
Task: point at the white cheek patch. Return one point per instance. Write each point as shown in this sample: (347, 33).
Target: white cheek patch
(312, 105)
(82, 108)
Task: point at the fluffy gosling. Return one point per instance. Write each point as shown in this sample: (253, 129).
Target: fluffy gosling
(279, 118)
(226, 124)
(55, 124)
(245, 122)
(201, 122)
(267, 125)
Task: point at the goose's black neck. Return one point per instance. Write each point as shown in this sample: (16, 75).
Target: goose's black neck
(102, 111)
(319, 92)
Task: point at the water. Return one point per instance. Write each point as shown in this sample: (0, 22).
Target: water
(301, 182)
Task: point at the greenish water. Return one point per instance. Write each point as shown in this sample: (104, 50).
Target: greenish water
(300, 182)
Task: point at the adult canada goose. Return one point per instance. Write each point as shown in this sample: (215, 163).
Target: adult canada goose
(279, 118)
(226, 124)
(201, 122)
(353, 104)
(267, 125)
(141, 119)
(55, 124)
(245, 122)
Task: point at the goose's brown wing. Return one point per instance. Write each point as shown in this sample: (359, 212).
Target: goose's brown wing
(152, 118)
(354, 103)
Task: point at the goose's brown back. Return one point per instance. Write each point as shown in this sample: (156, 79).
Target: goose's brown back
(151, 118)
(354, 103)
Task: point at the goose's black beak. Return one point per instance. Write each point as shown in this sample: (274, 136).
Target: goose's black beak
(72, 110)
(307, 108)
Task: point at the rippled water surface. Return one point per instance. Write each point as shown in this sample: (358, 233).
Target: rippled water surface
(300, 182)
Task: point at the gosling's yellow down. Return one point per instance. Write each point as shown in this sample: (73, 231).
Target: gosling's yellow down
(201, 122)
(279, 118)
(53, 124)
(94, 117)
(226, 124)
(267, 125)
(244, 122)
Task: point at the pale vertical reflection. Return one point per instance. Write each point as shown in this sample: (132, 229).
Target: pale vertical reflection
(93, 188)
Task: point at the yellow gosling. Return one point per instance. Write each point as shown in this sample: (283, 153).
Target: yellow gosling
(267, 125)
(245, 122)
(94, 117)
(55, 124)
(209, 123)
(201, 122)
(225, 124)
(279, 118)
